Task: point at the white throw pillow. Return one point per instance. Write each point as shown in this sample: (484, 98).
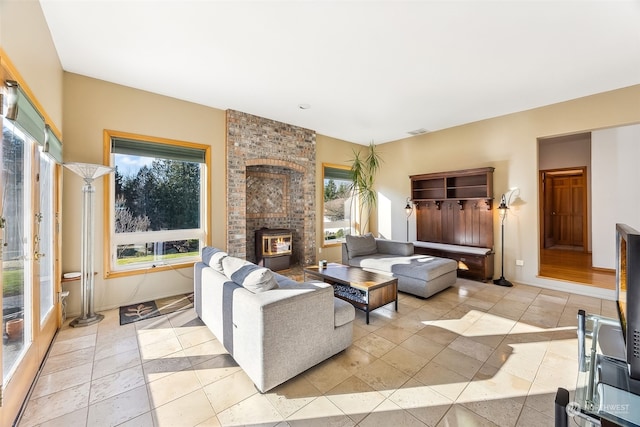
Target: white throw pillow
(213, 257)
(248, 275)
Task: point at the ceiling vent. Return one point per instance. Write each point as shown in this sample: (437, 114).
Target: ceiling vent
(418, 131)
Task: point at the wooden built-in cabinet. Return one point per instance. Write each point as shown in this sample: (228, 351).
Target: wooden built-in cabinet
(455, 208)
(468, 184)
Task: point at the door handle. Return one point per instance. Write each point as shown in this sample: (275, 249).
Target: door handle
(36, 239)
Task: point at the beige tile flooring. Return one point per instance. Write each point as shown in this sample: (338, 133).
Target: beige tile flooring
(474, 355)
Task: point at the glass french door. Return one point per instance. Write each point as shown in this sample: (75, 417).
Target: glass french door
(30, 312)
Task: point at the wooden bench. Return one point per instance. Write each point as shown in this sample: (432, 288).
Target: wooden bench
(473, 262)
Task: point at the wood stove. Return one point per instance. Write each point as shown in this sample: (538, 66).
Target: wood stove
(273, 248)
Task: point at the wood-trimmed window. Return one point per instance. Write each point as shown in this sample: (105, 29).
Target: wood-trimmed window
(156, 205)
(336, 203)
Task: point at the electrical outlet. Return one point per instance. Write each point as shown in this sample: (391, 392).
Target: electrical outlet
(520, 262)
(319, 250)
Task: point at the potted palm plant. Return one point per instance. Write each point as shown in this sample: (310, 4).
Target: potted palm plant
(364, 167)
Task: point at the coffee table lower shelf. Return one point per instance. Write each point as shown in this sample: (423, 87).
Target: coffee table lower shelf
(364, 290)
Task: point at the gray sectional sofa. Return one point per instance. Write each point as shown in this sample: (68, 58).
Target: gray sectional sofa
(273, 327)
(420, 275)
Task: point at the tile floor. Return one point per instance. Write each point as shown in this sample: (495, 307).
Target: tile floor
(474, 355)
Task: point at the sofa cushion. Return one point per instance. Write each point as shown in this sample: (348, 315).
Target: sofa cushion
(394, 247)
(213, 257)
(343, 312)
(361, 245)
(248, 275)
(461, 249)
(284, 281)
(422, 267)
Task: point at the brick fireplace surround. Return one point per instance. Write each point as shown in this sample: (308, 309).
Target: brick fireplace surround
(271, 168)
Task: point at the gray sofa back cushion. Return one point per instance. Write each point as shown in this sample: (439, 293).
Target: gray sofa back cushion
(248, 275)
(361, 245)
(394, 247)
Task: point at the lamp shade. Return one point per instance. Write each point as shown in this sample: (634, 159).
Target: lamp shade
(88, 171)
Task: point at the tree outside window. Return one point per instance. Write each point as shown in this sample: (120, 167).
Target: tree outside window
(157, 200)
(336, 204)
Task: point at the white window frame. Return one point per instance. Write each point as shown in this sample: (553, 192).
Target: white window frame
(353, 209)
(158, 263)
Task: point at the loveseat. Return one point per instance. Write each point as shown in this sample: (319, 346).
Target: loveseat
(420, 275)
(274, 327)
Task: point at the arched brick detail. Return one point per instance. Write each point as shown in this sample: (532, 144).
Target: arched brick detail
(274, 162)
(260, 147)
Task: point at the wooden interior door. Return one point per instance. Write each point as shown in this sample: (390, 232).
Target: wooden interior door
(547, 208)
(565, 196)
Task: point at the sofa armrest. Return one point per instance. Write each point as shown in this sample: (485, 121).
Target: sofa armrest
(270, 326)
(345, 254)
(394, 247)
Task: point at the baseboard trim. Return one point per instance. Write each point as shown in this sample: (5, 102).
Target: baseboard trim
(575, 288)
(604, 270)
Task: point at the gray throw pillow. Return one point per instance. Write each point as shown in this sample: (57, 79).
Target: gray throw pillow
(248, 275)
(361, 245)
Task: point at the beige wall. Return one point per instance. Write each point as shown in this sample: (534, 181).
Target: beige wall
(25, 37)
(90, 107)
(508, 143)
(615, 191)
(565, 152)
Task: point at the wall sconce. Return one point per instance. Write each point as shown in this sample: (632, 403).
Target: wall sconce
(502, 210)
(408, 210)
(12, 99)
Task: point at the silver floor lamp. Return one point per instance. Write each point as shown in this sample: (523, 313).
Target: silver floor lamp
(88, 172)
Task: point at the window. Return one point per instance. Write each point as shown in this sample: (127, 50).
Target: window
(157, 202)
(17, 268)
(337, 206)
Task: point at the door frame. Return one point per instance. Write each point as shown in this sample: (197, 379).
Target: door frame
(41, 333)
(542, 174)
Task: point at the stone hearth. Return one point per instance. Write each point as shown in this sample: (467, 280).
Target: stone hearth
(270, 183)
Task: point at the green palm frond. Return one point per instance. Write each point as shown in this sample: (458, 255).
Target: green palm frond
(363, 174)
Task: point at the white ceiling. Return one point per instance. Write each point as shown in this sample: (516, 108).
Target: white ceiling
(370, 70)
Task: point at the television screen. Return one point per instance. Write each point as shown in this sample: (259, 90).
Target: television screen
(628, 293)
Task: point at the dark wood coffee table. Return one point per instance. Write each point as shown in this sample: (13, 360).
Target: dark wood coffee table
(365, 290)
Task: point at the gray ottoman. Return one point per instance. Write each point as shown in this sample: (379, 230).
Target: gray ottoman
(420, 275)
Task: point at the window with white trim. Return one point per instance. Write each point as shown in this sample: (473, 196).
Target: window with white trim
(157, 202)
(337, 203)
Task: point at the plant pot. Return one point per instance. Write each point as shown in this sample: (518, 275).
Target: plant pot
(14, 328)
